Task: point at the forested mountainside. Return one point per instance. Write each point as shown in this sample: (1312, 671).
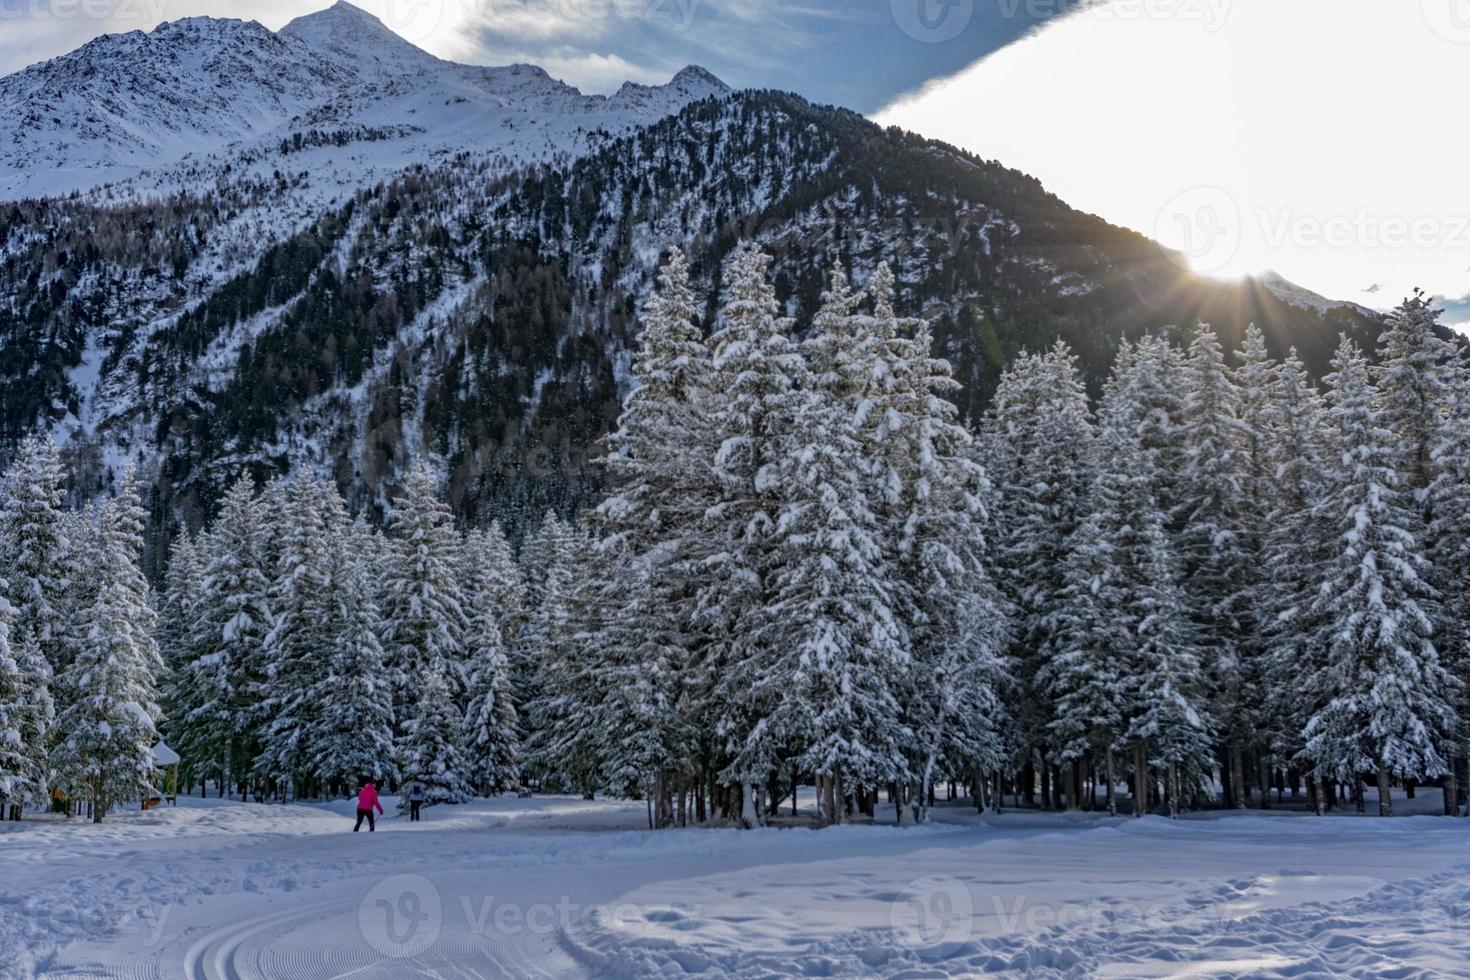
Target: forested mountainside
(484, 314)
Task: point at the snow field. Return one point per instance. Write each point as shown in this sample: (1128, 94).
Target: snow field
(566, 887)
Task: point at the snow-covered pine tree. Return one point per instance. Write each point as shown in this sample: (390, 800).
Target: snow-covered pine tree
(1157, 384)
(1293, 549)
(229, 628)
(14, 764)
(33, 540)
(834, 650)
(107, 725)
(185, 686)
(1449, 551)
(1037, 443)
(35, 721)
(353, 733)
(653, 458)
(424, 609)
(490, 565)
(754, 376)
(662, 483)
(1259, 412)
(568, 736)
(1378, 702)
(492, 738)
(1162, 708)
(1215, 545)
(934, 513)
(1081, 673)
(1416, 379)
(1413, 377)
(33, 550)
(430, 749)
(309, 513)
(1165, 668)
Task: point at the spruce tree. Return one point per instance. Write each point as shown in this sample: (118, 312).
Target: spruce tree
(295, 652)
(424, 607)
(1215, 547)
(755, 373)
(430, 747)
(107, 725)
(352, 735)
(491, 738)
(1378, 701)
(1037, 445)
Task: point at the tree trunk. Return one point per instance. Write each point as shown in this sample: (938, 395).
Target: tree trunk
(1263, 768)
(749, 806)
(1452, 788)
(1074, 786)
(1173, 791)
(1112, 790)
(1237, 777)
(1140, 779)
(1385, 798)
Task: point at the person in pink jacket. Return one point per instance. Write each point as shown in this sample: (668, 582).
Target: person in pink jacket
(367, 802)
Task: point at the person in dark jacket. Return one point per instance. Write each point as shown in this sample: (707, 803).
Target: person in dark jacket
(416, 793)
(367, 802)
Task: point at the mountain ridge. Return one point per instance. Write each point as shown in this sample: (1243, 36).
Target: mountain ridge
(126, 105)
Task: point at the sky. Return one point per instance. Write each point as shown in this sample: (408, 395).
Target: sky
(856, 53)
(1320, 139)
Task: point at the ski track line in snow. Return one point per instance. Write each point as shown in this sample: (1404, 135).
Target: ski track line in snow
(252, 950)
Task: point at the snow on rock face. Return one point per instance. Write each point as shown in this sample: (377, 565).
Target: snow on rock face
(129, 104)
(128, 101)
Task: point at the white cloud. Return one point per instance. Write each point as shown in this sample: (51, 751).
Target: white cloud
(1321, 138)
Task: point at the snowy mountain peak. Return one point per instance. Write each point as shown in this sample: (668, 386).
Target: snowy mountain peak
(690, 85)
(357, 38)
(692, 75)
(134, 107)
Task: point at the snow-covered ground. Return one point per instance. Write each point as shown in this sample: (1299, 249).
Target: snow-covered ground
(563, 887)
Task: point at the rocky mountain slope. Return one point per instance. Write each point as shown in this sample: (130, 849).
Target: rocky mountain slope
(480, 305)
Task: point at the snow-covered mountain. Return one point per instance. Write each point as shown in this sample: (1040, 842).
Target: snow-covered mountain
(174, 106)
(354, 254)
